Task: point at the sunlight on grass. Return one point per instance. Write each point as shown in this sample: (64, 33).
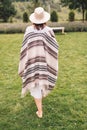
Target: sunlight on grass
(65, 108)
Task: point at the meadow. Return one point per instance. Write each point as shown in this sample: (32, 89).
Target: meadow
(65, 108)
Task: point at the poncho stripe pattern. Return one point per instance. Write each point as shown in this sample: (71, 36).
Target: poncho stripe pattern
(38, 61)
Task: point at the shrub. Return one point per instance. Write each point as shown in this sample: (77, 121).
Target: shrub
(13, 27)
(71, 16)
(25, 17)
(54, 16)
(71, 26)
(21, 27)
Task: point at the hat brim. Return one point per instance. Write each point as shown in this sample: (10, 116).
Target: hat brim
(39, 21)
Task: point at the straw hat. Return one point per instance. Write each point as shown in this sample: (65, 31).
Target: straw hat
(39, 16)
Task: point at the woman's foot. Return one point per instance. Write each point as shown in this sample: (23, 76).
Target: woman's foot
(39, 114)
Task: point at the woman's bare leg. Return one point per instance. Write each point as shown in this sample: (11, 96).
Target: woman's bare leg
(38, 103)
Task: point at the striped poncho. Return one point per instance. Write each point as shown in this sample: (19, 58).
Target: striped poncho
(38, 60)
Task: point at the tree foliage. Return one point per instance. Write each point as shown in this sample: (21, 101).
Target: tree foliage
(54, 16)
(25, 17)
(36, 3)
(20, 0)
(71, 16)
(6, 10)
(76, 4)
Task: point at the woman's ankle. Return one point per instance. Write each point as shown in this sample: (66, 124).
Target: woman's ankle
(39, 114)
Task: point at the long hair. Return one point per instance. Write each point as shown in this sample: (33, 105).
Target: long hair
(39, 26)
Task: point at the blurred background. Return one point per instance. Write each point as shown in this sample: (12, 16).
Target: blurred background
(70, 14)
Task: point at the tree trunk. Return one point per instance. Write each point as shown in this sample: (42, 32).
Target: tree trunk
(83, 14)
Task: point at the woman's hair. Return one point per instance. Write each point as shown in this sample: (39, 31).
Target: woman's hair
(39, 26)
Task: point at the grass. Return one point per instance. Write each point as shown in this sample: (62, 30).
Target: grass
(65, 108)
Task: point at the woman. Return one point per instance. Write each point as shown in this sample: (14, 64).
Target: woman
(38, 64)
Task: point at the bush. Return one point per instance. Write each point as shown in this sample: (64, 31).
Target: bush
(54, 16)
(25, 17)
(71, 26)
(20, 27)
(13, 27)
(71, 16)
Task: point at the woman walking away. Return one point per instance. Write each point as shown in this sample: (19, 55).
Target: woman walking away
(38, 66)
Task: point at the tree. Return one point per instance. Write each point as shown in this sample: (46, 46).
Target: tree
(6, 10)
(71, 16)
(44, 1)
(21, 0)
(25, 17)
(76, 4)
(86, 15)
(54, 16)
(36, 3)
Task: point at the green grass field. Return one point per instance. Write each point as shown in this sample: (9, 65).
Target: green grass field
(65, 108)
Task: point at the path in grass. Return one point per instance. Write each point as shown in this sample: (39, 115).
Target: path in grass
(65, 108)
